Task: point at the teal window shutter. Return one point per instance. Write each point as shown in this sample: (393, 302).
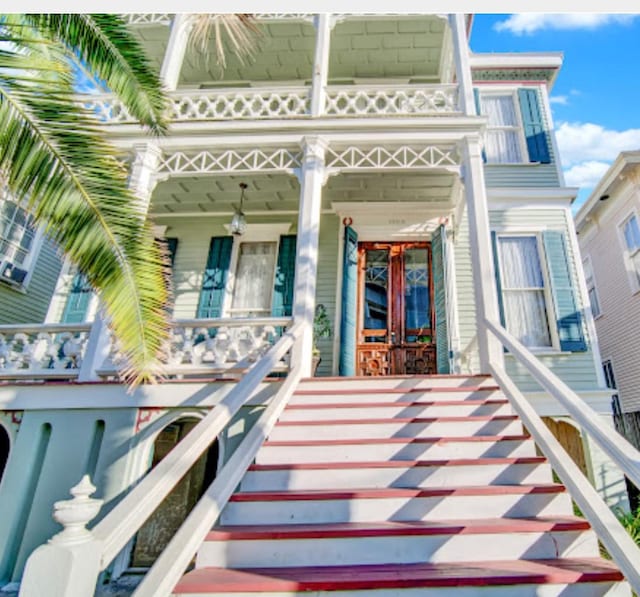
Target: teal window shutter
(214, 281)
(282, 304)
(438, 265)
(568, 317)
(172, 247)
(476, 97)
(75, 309)
(496, 263)
(347, 362)
(533, 123)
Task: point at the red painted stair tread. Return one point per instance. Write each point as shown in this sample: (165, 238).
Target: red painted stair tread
(470, 574)
(399, 463)
(392, 492)
(401, 528)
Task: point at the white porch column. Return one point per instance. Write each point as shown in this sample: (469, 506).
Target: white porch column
(176, 48)
(484, 285)
(463, 70)
(312, 178)
(320, 64)
(143, 178)
(142, 181)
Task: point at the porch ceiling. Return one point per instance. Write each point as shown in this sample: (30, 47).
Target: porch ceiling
(401, 47)
(279, 192)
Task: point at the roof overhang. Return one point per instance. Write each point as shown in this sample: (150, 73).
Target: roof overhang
(531, 66)
(624, 161)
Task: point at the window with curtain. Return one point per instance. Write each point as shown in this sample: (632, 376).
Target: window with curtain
(253, 285)
(502, 139)
(591, 287)
(631, 231)
(17, 233)
(523, 290)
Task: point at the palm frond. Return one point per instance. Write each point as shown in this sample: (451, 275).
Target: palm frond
(239, 32)
(107, 48)
(54, 156)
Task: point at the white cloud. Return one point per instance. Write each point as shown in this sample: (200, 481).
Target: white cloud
(563, 100)
(584, 142)
(585, 174)
(527, 23)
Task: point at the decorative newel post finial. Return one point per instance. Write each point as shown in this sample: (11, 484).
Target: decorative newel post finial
(75, 514)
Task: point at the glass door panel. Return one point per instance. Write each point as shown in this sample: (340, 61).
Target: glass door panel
(395, 312)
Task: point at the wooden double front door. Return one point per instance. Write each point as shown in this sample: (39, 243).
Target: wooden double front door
(395, 309)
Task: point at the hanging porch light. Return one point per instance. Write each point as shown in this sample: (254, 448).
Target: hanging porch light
(238, 221)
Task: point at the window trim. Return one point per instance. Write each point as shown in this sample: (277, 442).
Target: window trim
(554, 347)
(633, 275)
(587, 260)
(31, 258)
(522, 141)
(253, 233)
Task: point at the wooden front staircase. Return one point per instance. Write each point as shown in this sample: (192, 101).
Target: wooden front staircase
(400, 486)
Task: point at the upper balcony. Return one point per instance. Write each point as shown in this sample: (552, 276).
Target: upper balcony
(376, 66)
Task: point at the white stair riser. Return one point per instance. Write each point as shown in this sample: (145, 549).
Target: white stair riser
(390, 412)
(608, 589)
(406, 383)
(378, 396)
(395, 508)
(436, 476)
(376, 452)
(395, 550)
(437, 428)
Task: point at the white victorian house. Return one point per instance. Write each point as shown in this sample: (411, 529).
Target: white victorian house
(371, 169)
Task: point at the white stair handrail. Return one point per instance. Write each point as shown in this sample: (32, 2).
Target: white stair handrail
(611, 533)
(167, 570)
(69, 564)
(612, 443)
(115, 530)
(614, 537)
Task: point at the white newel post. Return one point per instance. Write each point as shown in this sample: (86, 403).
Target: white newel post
(463, 70)
(484, 285)
(320, 64)
(312, 178)
(69, 564)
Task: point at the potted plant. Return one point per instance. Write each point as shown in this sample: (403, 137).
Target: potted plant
(321, 329)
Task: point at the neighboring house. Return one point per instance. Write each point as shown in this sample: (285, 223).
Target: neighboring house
(608, 227)
(411, 187)
(29, 266)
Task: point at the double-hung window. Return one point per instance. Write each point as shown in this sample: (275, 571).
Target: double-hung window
(503, 139)
(253, 287)
(591, 287)
(524, 293)
(631, 236)
(516, 130)
(17, 233)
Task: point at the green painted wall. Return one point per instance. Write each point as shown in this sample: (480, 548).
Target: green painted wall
(577, 368)
(26, 503)
(31, 305)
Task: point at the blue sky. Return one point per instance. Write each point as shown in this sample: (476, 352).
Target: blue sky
(596, 97)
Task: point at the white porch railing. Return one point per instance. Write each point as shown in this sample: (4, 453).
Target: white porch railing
(389, 100)
(41, 351)
(289, 102)
(613, 536)
(196, 347)
(70, 563)
(204, 346)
